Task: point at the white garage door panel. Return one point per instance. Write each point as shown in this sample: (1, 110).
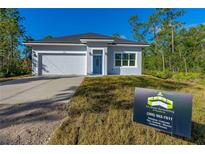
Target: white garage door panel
(64, 64)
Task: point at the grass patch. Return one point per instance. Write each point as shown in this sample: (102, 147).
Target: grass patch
(101, 113)
(4, 79)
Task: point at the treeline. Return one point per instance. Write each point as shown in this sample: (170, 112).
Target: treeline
(173, 47)
(14, 58)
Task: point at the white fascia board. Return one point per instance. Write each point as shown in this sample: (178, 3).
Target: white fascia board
(54, 44)
(129, 45)
(60, 52)
(96, 40)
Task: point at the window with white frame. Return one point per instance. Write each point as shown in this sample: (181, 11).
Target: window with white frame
(125, 59)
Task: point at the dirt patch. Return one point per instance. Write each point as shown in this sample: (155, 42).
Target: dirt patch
(20, 124)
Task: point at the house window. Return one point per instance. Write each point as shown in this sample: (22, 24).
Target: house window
(125, 59)
(118, 58)
(132, 59)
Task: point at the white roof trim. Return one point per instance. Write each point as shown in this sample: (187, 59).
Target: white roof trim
(130, 45)
(96, 40)
(53, 44)
(76, 44)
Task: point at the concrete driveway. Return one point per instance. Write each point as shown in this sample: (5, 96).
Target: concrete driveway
(31, 108)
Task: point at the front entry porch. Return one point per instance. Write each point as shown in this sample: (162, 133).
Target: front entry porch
(97, 61)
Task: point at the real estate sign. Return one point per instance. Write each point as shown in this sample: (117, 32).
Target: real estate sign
(170, 112)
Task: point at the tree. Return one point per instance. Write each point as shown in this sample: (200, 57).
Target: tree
(27, 51)
(139, 29)
(168, 25)
(192, 46)
(160, 31)
(11, 32)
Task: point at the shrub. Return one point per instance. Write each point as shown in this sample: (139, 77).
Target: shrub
(159, 74)
(20, 67)
(181, 76)
(187, 77)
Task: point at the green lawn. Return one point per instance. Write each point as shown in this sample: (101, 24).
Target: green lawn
(102, 108)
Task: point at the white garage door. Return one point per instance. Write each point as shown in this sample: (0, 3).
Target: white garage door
(63, 64)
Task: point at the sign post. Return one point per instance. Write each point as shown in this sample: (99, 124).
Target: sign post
(170, 112)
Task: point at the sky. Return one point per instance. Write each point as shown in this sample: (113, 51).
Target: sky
(61, 22)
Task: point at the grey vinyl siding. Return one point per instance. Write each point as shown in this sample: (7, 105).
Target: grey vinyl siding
(112, 70)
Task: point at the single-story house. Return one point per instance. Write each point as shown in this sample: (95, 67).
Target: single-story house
(86, 54)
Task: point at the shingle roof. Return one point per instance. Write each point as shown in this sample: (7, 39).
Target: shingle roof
(76, 39)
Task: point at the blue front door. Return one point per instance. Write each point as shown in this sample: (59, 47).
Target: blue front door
(97, 64)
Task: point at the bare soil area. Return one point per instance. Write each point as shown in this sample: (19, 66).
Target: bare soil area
(29, 123)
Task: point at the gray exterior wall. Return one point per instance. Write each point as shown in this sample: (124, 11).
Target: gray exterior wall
(108, 57)
(59, 48)
(124, 70)
(34, 62)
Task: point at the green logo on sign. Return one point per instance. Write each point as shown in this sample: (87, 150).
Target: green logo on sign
(159, 100)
